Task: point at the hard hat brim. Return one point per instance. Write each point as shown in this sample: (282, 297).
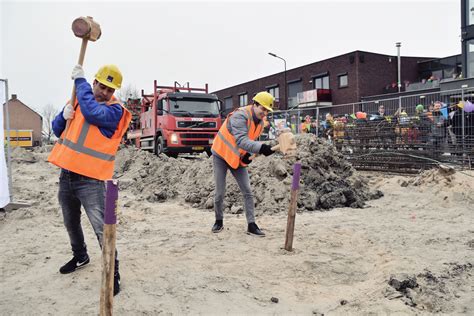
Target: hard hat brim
(267, 107)
(108, 84)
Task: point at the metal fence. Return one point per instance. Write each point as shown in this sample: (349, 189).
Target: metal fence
(413, 132)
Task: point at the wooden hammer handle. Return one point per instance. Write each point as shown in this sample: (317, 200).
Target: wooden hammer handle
(79, 62)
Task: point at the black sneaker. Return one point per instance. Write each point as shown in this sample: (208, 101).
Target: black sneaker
(116, 283)
(218, 226)
(73, 265)
(254, 230)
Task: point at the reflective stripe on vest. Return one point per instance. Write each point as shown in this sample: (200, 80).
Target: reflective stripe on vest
(235, 149)
(83, 149)
(225, 145)
(79, 146)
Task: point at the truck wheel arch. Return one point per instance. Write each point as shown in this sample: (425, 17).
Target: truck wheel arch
(159, 144)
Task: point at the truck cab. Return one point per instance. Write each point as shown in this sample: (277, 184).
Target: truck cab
(176, 120)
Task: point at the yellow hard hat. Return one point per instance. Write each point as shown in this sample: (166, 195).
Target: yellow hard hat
(265, 99)
(110, 76)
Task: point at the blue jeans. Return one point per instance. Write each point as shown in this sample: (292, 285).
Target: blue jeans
(75, 191)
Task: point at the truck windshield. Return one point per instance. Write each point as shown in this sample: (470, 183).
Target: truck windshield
(194, 107)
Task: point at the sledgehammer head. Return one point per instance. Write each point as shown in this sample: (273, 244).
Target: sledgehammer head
(287, 143)
(86, 27)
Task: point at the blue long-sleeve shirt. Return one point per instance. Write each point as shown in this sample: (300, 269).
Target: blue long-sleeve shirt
(105, 117)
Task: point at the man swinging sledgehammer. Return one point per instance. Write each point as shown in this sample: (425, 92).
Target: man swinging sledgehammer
(232, 149)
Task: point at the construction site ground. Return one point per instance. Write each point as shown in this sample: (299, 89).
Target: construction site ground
(410, 251)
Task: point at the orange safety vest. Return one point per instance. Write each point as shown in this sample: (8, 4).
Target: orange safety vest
(224, 143)
(84, 150)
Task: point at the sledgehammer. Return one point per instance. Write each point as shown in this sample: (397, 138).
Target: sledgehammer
(286, 144)
(89, 30)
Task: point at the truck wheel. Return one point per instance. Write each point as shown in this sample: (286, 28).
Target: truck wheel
(159, 145)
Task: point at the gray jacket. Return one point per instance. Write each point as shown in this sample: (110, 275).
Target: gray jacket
(237, 125)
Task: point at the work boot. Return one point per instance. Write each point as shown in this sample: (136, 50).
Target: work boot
(116, 283)
(218, 226)
(74, 264)
(254, 230)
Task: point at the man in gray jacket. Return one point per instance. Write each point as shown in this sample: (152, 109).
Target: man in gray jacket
(231, 150)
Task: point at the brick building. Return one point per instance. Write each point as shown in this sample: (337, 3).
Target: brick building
(24, 118)
(338, 80)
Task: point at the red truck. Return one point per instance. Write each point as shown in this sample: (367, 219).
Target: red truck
(174, 120)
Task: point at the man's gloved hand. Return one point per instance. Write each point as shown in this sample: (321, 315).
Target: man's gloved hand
(266, 150)
(77, 72)
(246, 159)
(68, 112)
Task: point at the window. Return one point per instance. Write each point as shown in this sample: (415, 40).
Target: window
(470, 12)
(437, 74)
(275, 92)
(228, 105)
(294, 88)
(343, 81)
(470, 59)
(321, 82)
(243, 99)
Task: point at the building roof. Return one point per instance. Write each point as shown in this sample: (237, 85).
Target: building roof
(14, 98)
(323, 60)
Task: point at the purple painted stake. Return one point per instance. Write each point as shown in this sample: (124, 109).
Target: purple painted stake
(290, 225)
(296, 176)
(111, 197)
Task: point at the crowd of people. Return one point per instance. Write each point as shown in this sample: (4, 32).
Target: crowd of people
(437, 126)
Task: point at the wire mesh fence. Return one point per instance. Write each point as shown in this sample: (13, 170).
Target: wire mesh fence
(403, 134)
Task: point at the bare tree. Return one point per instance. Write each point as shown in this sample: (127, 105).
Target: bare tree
(48, 112)
(128, 92)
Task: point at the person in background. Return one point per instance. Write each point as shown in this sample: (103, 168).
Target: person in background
(85, 152)
(424, 123)
(414, 129)
(429, 113)
(329, 127)
(314, 128)
(381, 111)
(438, 128)
(306, 124)
(231, 150)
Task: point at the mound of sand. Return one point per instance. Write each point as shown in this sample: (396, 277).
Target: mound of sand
(327, 179)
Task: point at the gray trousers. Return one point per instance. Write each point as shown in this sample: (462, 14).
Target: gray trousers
(242, 177)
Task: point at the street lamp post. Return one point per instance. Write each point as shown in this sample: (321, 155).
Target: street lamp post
(399, 83)
(285, 84)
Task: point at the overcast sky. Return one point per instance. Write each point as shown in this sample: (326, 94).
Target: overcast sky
(220, 43)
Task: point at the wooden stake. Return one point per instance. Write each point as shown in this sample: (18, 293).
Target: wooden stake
(290, 226)
(108, 249)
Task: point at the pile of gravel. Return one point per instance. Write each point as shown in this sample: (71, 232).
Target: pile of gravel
(327, 179)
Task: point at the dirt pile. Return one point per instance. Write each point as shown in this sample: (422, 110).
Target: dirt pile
(19, 154)
(430, 291)
(327, 179)
(432, 177)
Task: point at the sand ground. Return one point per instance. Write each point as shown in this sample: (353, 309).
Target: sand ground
(171, 264)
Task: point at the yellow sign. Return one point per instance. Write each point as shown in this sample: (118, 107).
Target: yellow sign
(20, 138)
